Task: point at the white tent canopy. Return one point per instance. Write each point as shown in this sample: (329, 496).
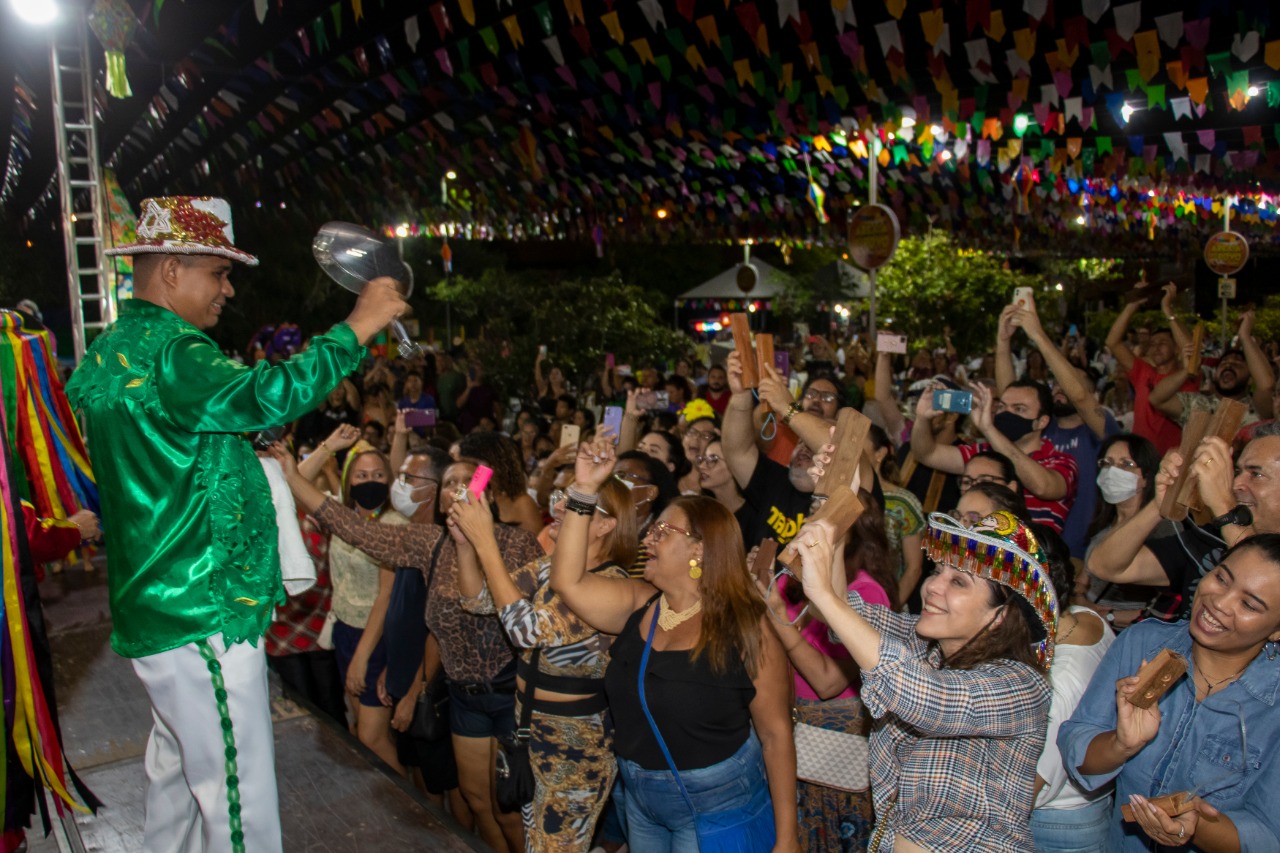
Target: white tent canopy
(770, 283)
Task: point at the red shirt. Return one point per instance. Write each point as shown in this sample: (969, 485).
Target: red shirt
(1149, 422)
(1052, 513)
(718, 403)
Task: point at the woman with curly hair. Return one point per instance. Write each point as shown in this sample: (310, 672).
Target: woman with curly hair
(508, 488)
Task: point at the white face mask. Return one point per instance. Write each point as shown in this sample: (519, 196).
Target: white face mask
(402, 498)
(1117, 485)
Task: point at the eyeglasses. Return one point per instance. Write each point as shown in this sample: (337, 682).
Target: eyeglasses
(824, 396)
(968, 519)
(422, 481)
(660, 529)
(711, 460)
(1123, 464)
(967, 483)
(632, 480)
(704, 436)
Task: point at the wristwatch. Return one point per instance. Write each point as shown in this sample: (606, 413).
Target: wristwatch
(1240, 515)
(792, 410)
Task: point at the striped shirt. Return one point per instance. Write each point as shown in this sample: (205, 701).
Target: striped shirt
(1050, 512)
(953, 752)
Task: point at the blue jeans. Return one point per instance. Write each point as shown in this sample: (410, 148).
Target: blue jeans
(1073, 830)
(658, 819)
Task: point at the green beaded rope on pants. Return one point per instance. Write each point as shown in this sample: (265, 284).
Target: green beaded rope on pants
(228, 738)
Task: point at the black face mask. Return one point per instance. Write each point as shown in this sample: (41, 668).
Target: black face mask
(1011, 426)
(1064, 409)
(370, 495)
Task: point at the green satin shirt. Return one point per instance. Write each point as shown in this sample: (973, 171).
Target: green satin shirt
(186, 509)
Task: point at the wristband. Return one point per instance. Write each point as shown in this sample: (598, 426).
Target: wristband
(579, 507)
(582, 497)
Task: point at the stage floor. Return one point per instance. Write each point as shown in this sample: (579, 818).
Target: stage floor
(334, 794)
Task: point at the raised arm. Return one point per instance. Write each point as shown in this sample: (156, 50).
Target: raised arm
(539, 380)
(1005, 374)
(1264, 378)
(1062, 369)
(1040, 481)
(343, 436)
(738, 433)
(603, 603)
(203, 390)
(631, 415)
(923, 446)
(473, 518)
(399, 443)
(1181, 337)
(1115, 337)
(885, 398)
(773, 390)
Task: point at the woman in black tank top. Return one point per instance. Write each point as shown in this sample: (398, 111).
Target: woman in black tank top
(714, 677)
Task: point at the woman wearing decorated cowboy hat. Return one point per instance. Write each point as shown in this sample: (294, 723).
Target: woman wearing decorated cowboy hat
(959, 694)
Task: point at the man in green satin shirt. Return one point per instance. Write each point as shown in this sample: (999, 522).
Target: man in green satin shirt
(194, 570)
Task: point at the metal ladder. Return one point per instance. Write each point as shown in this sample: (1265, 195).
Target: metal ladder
(90, 281)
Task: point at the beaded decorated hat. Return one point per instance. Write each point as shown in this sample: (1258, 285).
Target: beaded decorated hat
(1000, 548)
(185, 225)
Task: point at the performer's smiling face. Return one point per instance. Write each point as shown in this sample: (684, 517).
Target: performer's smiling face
(203, 288)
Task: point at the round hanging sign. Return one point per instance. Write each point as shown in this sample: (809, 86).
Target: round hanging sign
(748, 275)
(1226, 252)
(873, 236)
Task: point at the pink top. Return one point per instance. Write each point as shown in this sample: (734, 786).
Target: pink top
(816, 632)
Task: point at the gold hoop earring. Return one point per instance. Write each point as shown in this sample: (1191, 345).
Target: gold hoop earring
(695, 570)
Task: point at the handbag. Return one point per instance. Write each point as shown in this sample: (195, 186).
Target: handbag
(831, 758)
(430, 720)
(514, 784)
(745, 828)
(431, 715)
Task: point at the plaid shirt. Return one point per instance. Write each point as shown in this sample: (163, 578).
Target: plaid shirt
(956, 749)
(298, 622)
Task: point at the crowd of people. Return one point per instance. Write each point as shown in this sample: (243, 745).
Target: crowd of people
(557, 620)
(594, 602)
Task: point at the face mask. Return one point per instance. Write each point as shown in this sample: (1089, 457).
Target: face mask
(369, 495)
(1117, 485)
(1011, 426)
(402, 498)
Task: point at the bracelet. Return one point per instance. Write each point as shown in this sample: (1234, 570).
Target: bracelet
(582, 497)
(792, 410)
(581, 508)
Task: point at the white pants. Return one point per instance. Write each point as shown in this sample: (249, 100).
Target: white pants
(187, 805)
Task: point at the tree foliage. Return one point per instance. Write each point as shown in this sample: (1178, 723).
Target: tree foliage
(577, 319)
(932, 282)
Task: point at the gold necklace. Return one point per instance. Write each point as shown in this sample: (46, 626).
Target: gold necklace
(669, 620)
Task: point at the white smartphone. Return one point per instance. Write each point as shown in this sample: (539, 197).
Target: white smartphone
(890, 342)
(1022, 297)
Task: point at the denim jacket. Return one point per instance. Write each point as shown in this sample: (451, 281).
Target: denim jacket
(1199, 745)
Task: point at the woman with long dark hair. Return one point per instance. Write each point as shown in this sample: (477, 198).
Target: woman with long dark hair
(960, 692)
(697, 684)
(826, 678)
(1127, 468)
